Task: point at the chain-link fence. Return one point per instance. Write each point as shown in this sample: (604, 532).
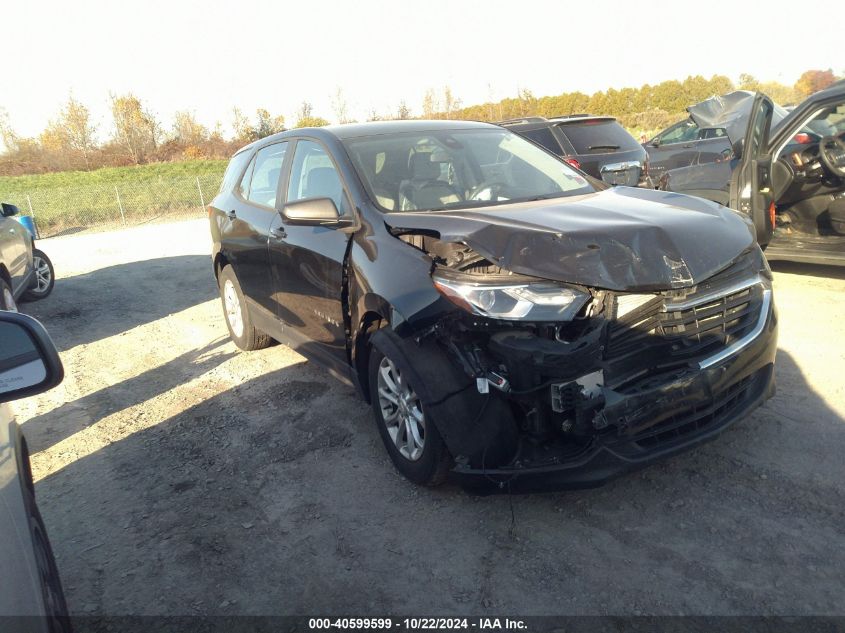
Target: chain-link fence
(61, 210)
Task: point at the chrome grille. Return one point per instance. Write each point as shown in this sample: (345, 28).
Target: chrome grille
(669, 332)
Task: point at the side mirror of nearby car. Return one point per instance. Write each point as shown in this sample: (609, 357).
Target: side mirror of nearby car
(9, 209)
(736, 148)
(29, 361)
(312, 212)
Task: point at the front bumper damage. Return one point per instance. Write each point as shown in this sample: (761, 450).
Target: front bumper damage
(688, 411)
(572, 407)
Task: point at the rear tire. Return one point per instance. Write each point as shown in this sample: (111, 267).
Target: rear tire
(245, 335)
(402, 426)
(7, 299)
(45, 277)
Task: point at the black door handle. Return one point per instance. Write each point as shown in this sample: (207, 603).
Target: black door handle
(279, 233)
(232, 215)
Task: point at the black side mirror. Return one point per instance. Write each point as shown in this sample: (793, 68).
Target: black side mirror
(311, 212)
(736, 148)
(655, 142)
(29, 361)
(9, 209)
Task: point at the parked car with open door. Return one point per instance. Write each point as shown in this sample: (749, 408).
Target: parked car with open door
(788, 177)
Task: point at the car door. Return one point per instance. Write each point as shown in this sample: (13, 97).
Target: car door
(245, 237)
(307, 262)
(751, 180)
(14, 250)
(676, 146)
(714, 146)
(797, 127)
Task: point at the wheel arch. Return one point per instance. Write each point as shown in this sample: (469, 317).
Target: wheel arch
(220, 262)
(370, 322)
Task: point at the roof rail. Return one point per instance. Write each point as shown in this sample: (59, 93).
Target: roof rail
(524, 119)
(581, 116)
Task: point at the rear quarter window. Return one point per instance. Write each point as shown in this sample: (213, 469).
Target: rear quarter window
(598, 137)
(544, 137)
(234, 170)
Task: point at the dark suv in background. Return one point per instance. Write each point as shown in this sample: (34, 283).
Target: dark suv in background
(597, 145)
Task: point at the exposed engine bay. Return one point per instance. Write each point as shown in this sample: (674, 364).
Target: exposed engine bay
(626, 369)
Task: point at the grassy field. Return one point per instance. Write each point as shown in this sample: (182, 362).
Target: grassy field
(69, 200)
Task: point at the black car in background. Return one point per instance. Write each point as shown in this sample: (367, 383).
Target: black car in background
(684, 144)
(699, 140)
(510, 320)
(597, 145)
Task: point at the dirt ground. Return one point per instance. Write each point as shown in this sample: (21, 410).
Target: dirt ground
(179, 476)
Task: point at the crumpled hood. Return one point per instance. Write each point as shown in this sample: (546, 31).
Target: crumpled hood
(622, 238)
(731, 112)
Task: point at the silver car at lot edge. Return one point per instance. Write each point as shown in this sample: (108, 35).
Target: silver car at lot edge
(31, 597)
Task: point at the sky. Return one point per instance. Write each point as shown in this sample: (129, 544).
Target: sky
(208, 57)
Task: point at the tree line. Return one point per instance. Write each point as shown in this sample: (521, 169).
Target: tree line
(71, 141)
(643, 111)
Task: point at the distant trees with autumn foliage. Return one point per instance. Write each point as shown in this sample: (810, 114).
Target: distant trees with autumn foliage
(72, 141)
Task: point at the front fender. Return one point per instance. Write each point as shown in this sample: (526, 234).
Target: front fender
(397, 287)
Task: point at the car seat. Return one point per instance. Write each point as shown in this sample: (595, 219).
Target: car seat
(323, 182)
(836, 211)
(424, 190)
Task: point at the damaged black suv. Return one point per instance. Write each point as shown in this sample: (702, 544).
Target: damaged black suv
(511, 321)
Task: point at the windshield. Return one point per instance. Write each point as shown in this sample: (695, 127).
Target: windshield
(428, 171)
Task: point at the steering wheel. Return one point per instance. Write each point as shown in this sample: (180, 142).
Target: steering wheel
(832, 155)
(492, 187)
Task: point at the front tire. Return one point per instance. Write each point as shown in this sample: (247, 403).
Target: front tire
(244, 334)
(45, 277)
(410, 436)
(58, 620)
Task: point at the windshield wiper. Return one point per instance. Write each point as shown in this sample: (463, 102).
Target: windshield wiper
(602, 147)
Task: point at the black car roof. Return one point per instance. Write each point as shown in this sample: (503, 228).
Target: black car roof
(371, 128)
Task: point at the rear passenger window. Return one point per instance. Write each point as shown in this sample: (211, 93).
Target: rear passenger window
(265, 174)
(544, 137)
(712, 132)
(313, 175)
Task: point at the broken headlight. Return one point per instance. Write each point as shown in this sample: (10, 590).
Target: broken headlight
(540, 301)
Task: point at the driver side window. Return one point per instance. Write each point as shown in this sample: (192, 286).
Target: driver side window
(313, 175)
(679, 133)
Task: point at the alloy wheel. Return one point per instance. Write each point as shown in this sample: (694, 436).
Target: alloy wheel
(42, 274)
(233, 308)
(401, 410)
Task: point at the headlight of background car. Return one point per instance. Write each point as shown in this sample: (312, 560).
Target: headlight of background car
(540, 301)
